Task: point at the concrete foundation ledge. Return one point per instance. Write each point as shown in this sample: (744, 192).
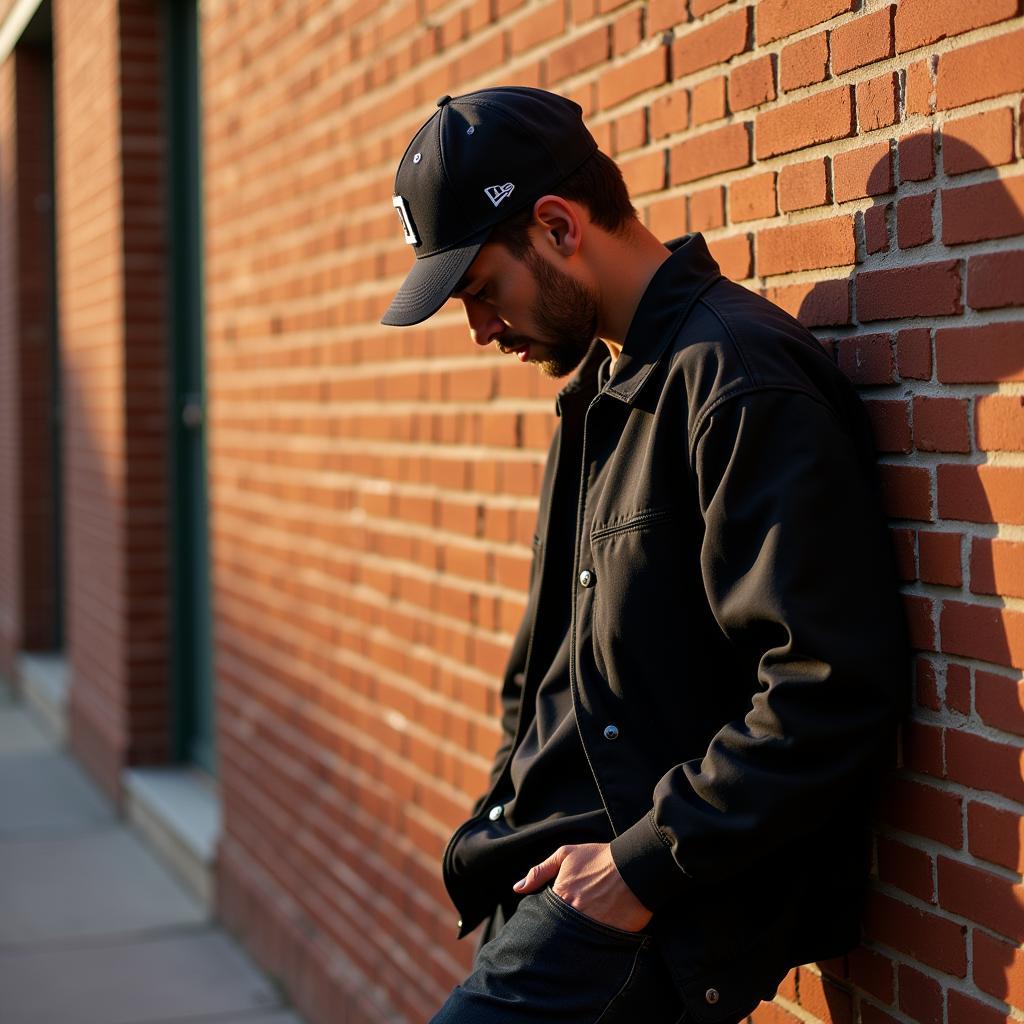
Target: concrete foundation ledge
(177, 811)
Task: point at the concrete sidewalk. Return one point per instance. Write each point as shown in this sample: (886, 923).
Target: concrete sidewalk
(93, 929)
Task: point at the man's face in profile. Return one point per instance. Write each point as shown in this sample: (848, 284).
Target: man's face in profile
(529, 307)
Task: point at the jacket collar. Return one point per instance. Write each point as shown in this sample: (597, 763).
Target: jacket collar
(665, 304)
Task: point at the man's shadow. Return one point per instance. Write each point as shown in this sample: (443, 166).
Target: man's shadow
(925, 327)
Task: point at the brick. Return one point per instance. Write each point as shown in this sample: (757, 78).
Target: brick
(630, 131)
(627, 31)
(707, 209)
(733, 255)
(644, 173)
(708, 100)
(890, 424)
(823, 117)
(804, 62)
(980, 494)
(873, 1015)
(995, 635)
(987, 354)
(864, 40)
(814, 304)
(663, 14)
(698, 8)
(914, 353)
(902, 539)
(982, 140)
(635, 76)
(962, 1009)
(867, 359)
(940, 424)
(542, 24)
(918, 611)
(957, 695)
(980, 71)
(932, 289)
(929, 938)
(922, 743)
(906, 492)
(862, 172)
(920, 22)
(999, 422)
(923, 810)
(810, 246)
(981, 896)
(920, 996)
(917, 156)
(585, 51)
(940, 556)
(914, 220)
(872, 972)
(752, 198)
(999, 969)
(666, 218)
(920, 88)
(670, 113)
(752, 84)
(779, 18)
(722, 149)
(995, 280)
(877, 102)
(877, 228)
(710, 44)
(996, 835)
(999, 700)
(803, 185)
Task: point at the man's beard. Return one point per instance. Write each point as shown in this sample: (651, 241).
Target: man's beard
(566, 314)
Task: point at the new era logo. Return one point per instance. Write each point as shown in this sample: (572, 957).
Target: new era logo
(499, 193)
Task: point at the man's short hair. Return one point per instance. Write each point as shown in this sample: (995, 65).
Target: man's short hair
(597, 183)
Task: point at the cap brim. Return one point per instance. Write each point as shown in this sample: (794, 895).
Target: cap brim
(429, 283)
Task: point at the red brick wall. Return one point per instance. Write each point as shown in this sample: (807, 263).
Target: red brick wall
(372, 490)
(27, 597)
(10, 428)
(109, 203)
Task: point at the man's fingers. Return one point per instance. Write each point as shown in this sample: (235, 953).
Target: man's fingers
(540, 874)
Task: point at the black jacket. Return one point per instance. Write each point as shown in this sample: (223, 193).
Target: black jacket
(736, 618)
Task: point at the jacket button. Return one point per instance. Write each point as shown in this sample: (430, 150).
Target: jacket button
(711, 996)
(496, 812)
(586, 578)
(458, 924)
(611, 732)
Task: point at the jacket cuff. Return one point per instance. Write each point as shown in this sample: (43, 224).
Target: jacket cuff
(644, 859)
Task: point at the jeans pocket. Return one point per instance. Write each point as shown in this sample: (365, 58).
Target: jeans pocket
(568, 911)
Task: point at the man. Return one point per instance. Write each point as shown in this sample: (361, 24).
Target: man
(712, 659)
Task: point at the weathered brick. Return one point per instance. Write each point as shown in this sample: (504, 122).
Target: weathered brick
(920, 22)
(722, 149)
(932, 289)
(993, 209)
(862, 172)
(714, 43)
(779, 18)
(809, 246)
(752, 84)
(823, 117)
(989, 68)
(982, 140)
(863, 40)
(914, 220)
(804, 62)
(996, 279)
(877, 102)
(752, 198)
(803, 185)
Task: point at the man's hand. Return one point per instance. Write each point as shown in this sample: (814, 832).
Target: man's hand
(586, 877)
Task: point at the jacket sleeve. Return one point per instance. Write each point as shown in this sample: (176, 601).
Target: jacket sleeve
(798, 571)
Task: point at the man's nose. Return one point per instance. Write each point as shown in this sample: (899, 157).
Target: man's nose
(484, 324)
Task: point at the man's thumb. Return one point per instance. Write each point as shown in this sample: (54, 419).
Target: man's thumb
(540, 874)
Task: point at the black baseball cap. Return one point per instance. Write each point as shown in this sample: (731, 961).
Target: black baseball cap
(479, 159)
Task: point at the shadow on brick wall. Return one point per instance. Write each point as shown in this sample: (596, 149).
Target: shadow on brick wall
(943, 917)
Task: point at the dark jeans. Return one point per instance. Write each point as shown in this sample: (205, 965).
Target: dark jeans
(550, 964)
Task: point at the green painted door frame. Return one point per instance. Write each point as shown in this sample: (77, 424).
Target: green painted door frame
(191, 643)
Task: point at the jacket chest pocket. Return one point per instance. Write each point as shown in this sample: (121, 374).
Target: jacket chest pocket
(635, 612)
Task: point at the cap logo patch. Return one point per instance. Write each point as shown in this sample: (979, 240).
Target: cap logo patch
(499, 193)
(403, 215)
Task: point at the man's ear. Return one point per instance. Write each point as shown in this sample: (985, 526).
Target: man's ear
(561, 226)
